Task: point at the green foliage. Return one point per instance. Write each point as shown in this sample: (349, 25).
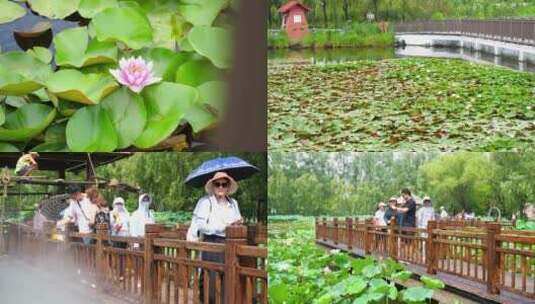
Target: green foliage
(301, 272)
(525, 225)
(341, 13)
(83, 57)
(358, 35)
(397, 104)
(350, 184)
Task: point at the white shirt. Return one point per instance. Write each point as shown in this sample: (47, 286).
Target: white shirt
(425, 215)
(380, 217)
(443, 214)
(211, 217)
(82, 214)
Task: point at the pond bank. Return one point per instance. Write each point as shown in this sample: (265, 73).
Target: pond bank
(409, 103)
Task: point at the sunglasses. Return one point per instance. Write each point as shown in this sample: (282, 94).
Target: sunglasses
(221, 185)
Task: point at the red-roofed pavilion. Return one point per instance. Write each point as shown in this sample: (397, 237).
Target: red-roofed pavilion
(294, 19)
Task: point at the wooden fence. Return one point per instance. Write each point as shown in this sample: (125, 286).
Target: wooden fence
(161, 268)
(499, 257)
(513, 31)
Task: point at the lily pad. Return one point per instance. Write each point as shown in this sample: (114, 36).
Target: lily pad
(41, 53)
(196, 72)
(51, 147)
(21, 73)
(416, 294)
(165, 62)
(202, 12)
(128, 115)
(84, 88)
(167, 103)
(89, 8)
(6, 147)
(10, 11)
(215, 43)
(125, 24)
(90, 129)
(2, 115)
(74, 49)
(54, 9)
(214, 94)
(26, 122)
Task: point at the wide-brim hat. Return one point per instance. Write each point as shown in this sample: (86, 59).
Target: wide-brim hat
(209, 187)
(426, 198)
(381, 204)
(393, 199)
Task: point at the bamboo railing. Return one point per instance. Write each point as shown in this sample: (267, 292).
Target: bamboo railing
(162, 267)
(487, 252)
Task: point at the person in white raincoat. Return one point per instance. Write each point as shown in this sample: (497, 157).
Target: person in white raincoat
(119, 218)
(212, 215)
(142, 216)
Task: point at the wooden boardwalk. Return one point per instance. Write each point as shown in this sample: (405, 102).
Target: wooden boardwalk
(454, 283)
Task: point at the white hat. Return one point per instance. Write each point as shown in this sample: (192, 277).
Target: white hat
(381, 204)
(209, 187)
(118, 200)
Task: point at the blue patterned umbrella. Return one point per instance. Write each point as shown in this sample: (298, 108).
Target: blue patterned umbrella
(233, 166)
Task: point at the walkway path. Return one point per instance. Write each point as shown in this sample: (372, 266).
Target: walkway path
(23, 283)
(453, 283)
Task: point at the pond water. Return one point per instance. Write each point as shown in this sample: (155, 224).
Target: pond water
(25, 24)
(322, 56)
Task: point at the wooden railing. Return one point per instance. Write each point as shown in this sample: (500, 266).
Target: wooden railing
(161, 268)
(514, 31)
(487, 252)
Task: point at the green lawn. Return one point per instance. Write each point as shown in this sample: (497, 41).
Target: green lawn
(410, 104)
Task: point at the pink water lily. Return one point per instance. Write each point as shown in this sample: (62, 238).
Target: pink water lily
(135, 73)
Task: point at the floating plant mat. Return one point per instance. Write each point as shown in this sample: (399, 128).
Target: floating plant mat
(411, 104)
(144, 74)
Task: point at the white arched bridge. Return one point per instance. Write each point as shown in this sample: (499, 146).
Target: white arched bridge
(513, 38)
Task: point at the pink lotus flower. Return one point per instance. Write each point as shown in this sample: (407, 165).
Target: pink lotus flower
(135, 73)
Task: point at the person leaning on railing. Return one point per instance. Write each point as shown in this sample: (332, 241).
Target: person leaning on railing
(211, 216)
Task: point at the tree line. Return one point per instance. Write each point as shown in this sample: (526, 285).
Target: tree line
(162, 175)
(353, 183)
(340, 13)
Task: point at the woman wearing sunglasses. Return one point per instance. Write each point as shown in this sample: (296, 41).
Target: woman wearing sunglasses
(212, 215)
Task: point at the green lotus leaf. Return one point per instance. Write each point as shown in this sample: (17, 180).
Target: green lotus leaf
(432, 283)
(165, 62)
(166, 103)
(10, 11)
(26, 122)
(167, 27)
(16, 101)
(56, 133)
(128, 115)
(89, 8)
(21, 73)
(2, 115)
(202, 12)
(68, 108)
(6, 147)
(51, 147)
(125, 24)
(214, 94)
(90, 129)
(416, 294)
(215, 43)
(54, 9)
(196, 72)
(74, 49)
(41, 53)
(84, 88)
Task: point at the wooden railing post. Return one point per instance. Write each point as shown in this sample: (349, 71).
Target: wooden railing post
(102, 234)
(235, 236)
(317, 233)
(492, 258)
(335, 228)
(149, 271)
(368, 236)
(325, 231)
(430, 249)
(392, 240)
(349, 233)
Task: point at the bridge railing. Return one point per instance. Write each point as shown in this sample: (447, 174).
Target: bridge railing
(161, 268)
(487, 252)
(513, 31)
